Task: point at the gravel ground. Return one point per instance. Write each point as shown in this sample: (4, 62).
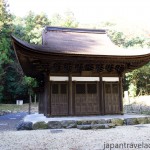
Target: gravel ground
(74, 139)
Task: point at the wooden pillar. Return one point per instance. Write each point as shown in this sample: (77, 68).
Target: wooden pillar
(121, 94)
(70, 100)
(49, 98)
(46, 95)
(101, 98)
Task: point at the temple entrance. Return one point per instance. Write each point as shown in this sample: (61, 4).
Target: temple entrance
(59, 98)
(111, 97)
(86, 98)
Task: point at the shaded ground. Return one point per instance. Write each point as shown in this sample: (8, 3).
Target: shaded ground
(9, 121)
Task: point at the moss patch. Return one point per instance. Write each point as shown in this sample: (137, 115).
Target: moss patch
(117, 122)
(40, 125)
(148, 119)
(142, 120)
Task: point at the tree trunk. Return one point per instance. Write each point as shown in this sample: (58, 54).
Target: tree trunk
(35, 99)
(30, 104)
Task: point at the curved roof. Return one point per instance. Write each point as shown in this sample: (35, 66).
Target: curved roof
(81, 48)
(80, 41)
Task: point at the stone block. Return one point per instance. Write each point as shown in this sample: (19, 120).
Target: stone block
(83, 127)
(79, 122)
(117, 121)
(54, 125)
(142, 120)
(102, 121)
(69, 124)
(111, 125)
(108, 120)
(131, 121)
(40, 125)
(98, 126)
(85, 122)
(148, 119)
(24, 125)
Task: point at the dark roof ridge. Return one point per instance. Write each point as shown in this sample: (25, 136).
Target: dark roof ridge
(80, 30)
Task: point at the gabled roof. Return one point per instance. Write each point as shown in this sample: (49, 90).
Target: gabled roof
(85, 46)
(83, 41)
(80, 41)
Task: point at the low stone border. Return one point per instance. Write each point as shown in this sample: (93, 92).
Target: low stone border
(82, 124)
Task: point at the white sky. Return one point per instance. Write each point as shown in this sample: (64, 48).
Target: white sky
(88, 11)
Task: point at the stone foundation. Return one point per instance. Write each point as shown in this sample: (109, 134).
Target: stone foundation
(83, 124)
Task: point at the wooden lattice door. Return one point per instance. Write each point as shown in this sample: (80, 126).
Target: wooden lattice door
(111, 97)
(86, 98)
(59, 99)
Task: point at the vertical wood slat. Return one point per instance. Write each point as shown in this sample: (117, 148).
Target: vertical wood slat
(107, 97)
(121, 94)
(101, 99)
(59, 101)
(50, 97)
(45, 95)
(115, 101)
(73, 97)
(112, 98)
(87, 103)
(70, 100)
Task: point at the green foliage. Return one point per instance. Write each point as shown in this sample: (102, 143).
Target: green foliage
(30, 28)
(5, 50)
(34, 25)
(68, 20)
(11, 75)
(56, 20)
(140, 79)
(137, 81)
(30, 83)
(117, 37)
(127, 41)
(135, 42)
(14, 87)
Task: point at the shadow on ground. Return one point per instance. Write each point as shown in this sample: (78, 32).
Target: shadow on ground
(8, 122)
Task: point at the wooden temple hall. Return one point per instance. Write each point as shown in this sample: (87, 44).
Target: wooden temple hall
(79, 71)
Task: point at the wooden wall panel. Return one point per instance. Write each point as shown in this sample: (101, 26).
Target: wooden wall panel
(111, 97)
(86, 103)
(59, 99)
